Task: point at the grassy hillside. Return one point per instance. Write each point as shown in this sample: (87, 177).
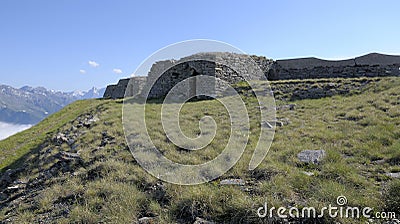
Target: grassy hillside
(75, 167)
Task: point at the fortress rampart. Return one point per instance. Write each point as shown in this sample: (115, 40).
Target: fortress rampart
(370, 65)
(232, 68)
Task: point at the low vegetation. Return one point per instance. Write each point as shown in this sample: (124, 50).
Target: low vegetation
(75, 167)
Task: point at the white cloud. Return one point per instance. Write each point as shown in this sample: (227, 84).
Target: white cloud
(7, 129)
(117, 71)
(82, 71)
(133, 75)
(93, 64)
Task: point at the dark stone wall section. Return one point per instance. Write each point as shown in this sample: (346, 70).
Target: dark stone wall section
(131, 86)
(370, 65)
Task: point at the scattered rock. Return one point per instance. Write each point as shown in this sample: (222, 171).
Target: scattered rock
(308, 173)
(202, 221)
(239, 182)
(158, 192)
(147, 220)
(13, 189)
(68, 156)
(88, 122)
(7, 177)
(106, 139)
(393, 221)
(3, 196)
(261, 107)
(19, 182)
(393, 175)
(107, 123)
(379, 161)
(74, 147)
(70, 142)
(311, 156)
(286, 107)
(285, 121)
(276, 123)
(97, 149)
(266, 125)
(61, 138)
(264, 174)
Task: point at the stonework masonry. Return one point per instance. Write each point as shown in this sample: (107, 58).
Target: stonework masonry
(133, 85)
(232, 68)
(226, 67)
(370, 65)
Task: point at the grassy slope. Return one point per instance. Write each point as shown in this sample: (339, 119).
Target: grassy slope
(15, 147)
(360, 133)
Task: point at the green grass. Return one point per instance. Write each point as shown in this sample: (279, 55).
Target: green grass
(15, 147)
(360, 132)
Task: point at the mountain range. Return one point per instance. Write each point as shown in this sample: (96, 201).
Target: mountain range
(28, 105)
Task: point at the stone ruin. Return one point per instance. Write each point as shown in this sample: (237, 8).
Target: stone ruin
(227, 67)
(370, 65)
(232, 68)
(118, 91)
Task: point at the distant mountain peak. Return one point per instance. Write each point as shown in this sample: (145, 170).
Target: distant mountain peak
(37, 102)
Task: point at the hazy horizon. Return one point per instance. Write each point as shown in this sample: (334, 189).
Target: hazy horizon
(9, 129)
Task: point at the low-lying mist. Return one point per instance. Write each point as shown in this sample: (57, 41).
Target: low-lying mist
(8, 129)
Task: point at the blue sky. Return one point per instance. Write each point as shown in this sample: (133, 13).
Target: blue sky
(50, 43)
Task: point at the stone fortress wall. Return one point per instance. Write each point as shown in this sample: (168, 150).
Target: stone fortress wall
(228, 68)
(232, 68)
(118, 91)
(370, 65)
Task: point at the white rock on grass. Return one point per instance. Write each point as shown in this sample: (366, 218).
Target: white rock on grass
(311, 156)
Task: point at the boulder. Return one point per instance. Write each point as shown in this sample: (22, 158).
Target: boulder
(147, 220)
(308, 173)
(311, 156)
(286, 107)
(239, 182)
(393, 175)
(266, 124)
(202, 221)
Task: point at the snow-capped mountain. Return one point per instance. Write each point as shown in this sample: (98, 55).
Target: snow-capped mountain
(28, 105)
(93, 93)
